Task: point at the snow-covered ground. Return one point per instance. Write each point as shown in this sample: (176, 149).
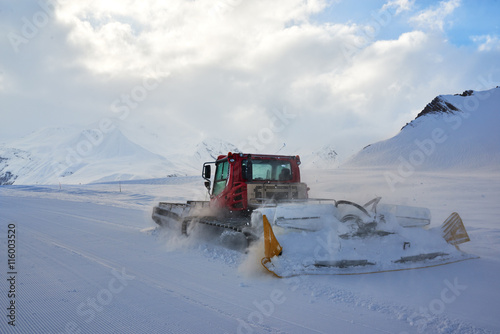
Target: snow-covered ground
(88, 260)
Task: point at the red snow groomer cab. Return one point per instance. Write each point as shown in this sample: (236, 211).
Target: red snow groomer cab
(243, 182)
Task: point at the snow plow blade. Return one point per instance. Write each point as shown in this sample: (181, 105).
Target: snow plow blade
(454, 231)
(272, 247)
(348, 244)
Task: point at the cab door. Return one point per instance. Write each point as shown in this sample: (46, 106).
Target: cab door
(221, 177)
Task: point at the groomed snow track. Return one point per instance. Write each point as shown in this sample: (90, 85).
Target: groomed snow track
(94, 269)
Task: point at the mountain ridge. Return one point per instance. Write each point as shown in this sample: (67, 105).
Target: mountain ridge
(451, 132)
(72, 155)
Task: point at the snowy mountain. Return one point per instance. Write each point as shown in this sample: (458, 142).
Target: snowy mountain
(452, 132)
(210, 149)
(31, 158)
(70, 155)
(324, 158)
(206, 151)
(98, 154)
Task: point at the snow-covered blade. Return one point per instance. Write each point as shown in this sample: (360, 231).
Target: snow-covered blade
(454, 231)
(349, 240)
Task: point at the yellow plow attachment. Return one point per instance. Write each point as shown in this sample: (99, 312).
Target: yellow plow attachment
(272, 247)
(454, 231)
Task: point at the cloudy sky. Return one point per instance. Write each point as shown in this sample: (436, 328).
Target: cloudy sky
(256, 73)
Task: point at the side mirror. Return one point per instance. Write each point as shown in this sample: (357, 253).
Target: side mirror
(207, 172)
(207, 185)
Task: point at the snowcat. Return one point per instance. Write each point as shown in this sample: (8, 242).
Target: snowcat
(262, 198)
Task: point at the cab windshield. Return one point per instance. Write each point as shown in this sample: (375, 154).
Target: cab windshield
(267, 170)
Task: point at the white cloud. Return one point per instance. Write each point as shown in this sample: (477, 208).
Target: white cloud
(135, 34)
(226, 69)
(487, 42)
(434, 18)
(400, 5)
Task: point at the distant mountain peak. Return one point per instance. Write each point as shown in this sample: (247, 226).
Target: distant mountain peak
(452, 132)
(437, 106)
(73, 155)
(211, 148)
(325, 158)
(448, 104)
(469, 92)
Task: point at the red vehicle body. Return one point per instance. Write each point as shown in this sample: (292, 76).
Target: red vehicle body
(241, 183)
(245, 181)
